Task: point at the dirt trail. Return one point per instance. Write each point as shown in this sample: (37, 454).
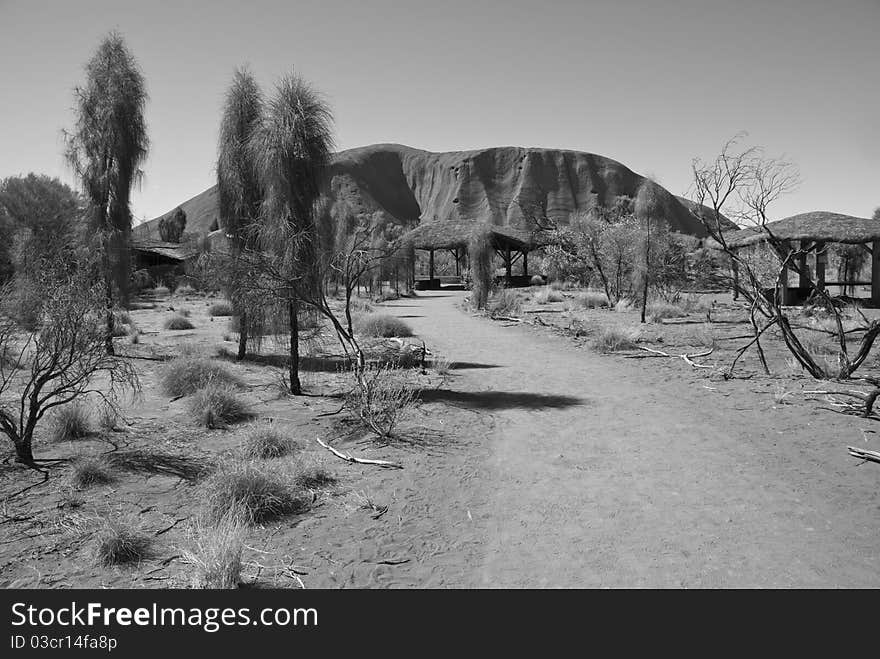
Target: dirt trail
(600, 471)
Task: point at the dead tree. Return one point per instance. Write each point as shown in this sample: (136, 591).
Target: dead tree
(62, 360)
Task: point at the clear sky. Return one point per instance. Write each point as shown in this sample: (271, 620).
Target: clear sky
(650, 83)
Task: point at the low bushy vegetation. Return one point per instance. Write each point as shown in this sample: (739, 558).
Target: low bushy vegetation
(380, 325)
(614, 339)
(265, 441)
(178, 321)
(658, 311)
(217, 551)
(548, 294)
(383, 401)
(185, 375)
(90, 471)
(69, 422)
(311, 475)
(590, 300)
(220, 309)
(536, 280)
(357, 305)
(506, 302)
(217, 405)
(261, 493)
(119, 543)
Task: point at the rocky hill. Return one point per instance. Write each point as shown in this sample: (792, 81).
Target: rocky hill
(489, 185)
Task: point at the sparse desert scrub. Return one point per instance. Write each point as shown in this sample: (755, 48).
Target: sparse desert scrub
(441, 364)
(121, 323)
(614, 339)
(703, 336)
(658, 311)
(380, 325)
(69, 422)
(393, 354)
(623, 305)
(312, 475)
(120, 542)
(220, 309)
(357, 305)
(265, 441)
(547, 295)
(536, 280)
(217, 550)
(381, 400)
(90, 471)
(185, 375)
(161, 291)
(260, 492)
(589, 300)
(505, 302)
(178, 321)
(217, 405)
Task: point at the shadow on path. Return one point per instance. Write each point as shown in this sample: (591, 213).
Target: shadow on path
(499, 400)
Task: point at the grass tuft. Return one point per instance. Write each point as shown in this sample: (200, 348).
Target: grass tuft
(220, 309)
(259, 492)
(69, 422)
(505, 302)
(90, 471)
(178, 321)
(614, 339)
(547, 295)
(120, 543)
(217, 551)
(380, 325)
(264, 442)
(185, 375)
(217, 405)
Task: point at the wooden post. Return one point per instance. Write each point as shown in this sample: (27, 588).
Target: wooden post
(875, 273)
(430, 264)
(821, 262)
(457, 263)
(525, 263)
(507, 264)
(783, 278)
(803, 267)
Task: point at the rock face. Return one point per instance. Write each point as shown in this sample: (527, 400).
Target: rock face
(490, 185)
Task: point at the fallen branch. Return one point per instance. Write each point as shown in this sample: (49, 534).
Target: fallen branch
(688, 359)
(363, 461)
(509, 319)
(870, 456)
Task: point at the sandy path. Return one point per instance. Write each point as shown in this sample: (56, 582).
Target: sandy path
(600, 471)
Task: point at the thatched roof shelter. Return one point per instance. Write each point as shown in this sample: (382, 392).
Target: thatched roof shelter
(169, 251)
(817, 226)
(452, 234)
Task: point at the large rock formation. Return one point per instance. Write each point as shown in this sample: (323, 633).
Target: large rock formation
(489, 185)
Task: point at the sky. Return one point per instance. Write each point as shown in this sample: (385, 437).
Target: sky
(647, 83)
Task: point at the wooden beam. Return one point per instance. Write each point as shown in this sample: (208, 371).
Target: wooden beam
(430, 264)
(821, 262)
(803, 266)
(875, 272)
(525, 263)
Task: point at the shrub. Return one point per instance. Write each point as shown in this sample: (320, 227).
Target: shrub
(356, 305)
(614, 339)
(505, 302)
(557, 285)
(185, 375)
(658, 311)
(386, 296)
(590, 300)
(259, 492)
(547, 295)
(380, 325)
(161, 291)
(185, 290)
(623, 305)
(119, 543)
(141, 280)
(382, 400)
(312, 475)
(70, 421)
(90, 471)
(178, 322)
(217, 405)
(220, 309)
(536, 280)
(217, 551)
(264, 442)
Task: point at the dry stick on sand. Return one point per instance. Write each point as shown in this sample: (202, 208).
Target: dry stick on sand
(688, 359)
(862, 454)
(363, 461)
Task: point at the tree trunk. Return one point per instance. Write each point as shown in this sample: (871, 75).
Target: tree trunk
(242, 335)
(295, 386)
(108, 338)
(24, 451)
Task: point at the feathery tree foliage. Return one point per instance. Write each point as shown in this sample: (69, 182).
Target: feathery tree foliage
(480, 256)
(291, 148)
(171, 227)
(239, 189)
(106, 149)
